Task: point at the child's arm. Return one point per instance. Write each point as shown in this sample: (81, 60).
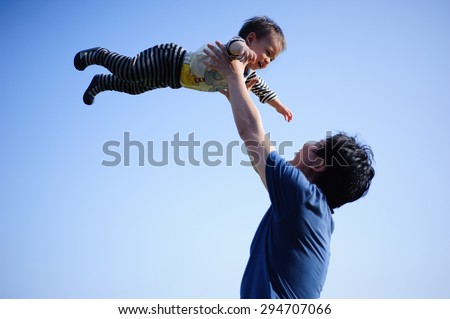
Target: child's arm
(238, 49)
(267, 95)
(281, 108)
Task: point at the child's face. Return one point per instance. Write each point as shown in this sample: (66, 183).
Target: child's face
(266, 49)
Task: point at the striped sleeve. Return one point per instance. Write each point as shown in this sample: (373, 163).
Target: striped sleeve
(261, 89)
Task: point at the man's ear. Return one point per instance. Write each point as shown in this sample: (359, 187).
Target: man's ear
(319, 166)
(319, 169)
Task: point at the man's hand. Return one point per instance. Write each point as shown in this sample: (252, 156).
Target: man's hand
(220, 62)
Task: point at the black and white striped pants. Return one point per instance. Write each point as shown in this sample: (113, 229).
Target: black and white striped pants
(156, 67)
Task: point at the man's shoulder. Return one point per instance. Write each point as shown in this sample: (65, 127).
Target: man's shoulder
(274, 157)
(279, 168)
(282, 175)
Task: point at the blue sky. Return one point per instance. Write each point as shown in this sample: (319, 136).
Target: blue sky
(71, 227)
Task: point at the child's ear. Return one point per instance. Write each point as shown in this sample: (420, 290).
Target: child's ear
(250, 37)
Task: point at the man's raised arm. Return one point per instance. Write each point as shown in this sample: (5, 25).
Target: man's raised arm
(246, 115)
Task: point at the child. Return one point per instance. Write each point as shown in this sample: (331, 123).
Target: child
(259, 42)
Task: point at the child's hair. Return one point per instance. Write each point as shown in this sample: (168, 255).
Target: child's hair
(348, 169)
(262, 26)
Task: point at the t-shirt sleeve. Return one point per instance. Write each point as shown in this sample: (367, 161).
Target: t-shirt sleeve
(288, 187)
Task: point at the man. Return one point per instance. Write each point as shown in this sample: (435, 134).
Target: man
(291, 249)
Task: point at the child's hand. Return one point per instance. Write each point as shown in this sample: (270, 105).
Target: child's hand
(248, 55)
(282, 109)
(285, 111)
(245, 54)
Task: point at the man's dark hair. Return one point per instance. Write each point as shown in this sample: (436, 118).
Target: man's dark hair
(262, 26)
(348, 169)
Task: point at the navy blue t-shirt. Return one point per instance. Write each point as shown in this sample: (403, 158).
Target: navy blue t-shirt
(290, 252)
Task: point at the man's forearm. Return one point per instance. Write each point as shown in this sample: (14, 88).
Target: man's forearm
(246, 115)
(249, 124)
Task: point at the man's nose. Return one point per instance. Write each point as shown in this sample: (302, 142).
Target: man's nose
(310, 143)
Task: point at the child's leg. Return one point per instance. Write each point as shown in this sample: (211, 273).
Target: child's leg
(109, 82)
(157, 67)
(84, 58)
